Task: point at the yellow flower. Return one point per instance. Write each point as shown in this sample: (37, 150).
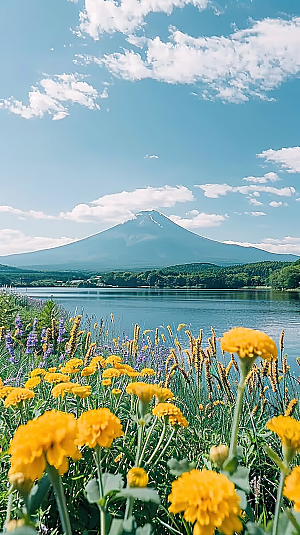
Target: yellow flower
(113, 360)
(20, 483)
(98, 427)
(50, 438)
(106, 382)
(137, 477)
(5, 390)
(88, 370)
(249, 343)
(17, 395)
(72, 366)
(53, 377)
(52, 370)
(61, 388)
(37, 371)
(82, 391)
(32, 382)
(119, 458)
(172, 412)
(292, 487)
(162, 394)
(209, 499)
(111, 372)
(116, 391)
(147, 372)
(131, 374)
(98, 361)
(288, 430)
(143, 391)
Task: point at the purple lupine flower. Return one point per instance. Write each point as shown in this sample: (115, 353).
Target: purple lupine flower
(61, 330)
(19, 327)
(32, 339)
(44, 335)
(47, 353)
(9, 346)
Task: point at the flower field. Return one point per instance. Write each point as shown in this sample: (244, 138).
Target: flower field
(110, 435)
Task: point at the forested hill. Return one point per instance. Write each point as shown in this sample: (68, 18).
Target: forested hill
(196, 275)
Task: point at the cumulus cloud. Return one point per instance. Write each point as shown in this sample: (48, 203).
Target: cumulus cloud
(23, 214)
(120, 207)
(254, 201)
(286, 245)
(275, 204)
(101, 16)
(217, 190)
(255, 214)
(272, 177)
(52, 95)
(248, 63)
(151, 157)
(288, 158)
(198, 220)
(15, 241)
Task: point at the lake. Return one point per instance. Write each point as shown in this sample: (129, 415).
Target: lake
(266, 310)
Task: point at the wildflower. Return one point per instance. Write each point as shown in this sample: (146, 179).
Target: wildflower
(17, 395)
(111, 372)
(248, 343)
(61, 331)
(98, 361)
(9, 344)
(116, 391)
(119, 458)
(88, 370)
(137, 477)
(61, 388)
(19, 328)
(32, 339)
(82, 391)
(172, 412)
(288, 430)
(98, 427)
(48, 439)
(113, 360)
(20, 483)
(162, 394)
(32, 382)
(89, 351)
(292, 487)
(5, 390)
(143, 391)
(106, 382)
(53, 377)
(201, 407)
(147, 372)
(52, 370)
(209, 499)
(72, 366)
(219, 454)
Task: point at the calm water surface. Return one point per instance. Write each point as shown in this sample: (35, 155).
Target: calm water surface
(266, 310)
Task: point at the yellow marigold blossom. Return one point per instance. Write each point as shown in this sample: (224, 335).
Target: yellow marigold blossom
(249, 343)
(61, 388)
(5, 390)
(106, 382)
(292, 488)
(116, 391)
(174, 414)
(53, 377)
(52, 370)
(209, 499)
(137, 477)
(1, 383)
(131, 374)
(37, 372)
(98, 361)
(124, 367)
(98, 427)
(110, 372)
(17, 395)
(143, 391)
(88, 370)
(82, 391)
(288, 430)
(147, 372)
(72, 365)
(113, 360)
(32, 382)
(50, 438)
(162, 394)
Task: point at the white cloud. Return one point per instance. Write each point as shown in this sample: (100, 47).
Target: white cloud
(255, 202)
(288, 158)
(275, 204)
(217, 190)
(53, 95)
(14, 241)
(248, 63)
(256, 214)
(127, 15)
(151, 157)
(286, 245)
(120, 207)
(23, 214)
(272, 177)
(198, 220)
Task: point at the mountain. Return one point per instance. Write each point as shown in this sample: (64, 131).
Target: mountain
(151, 240)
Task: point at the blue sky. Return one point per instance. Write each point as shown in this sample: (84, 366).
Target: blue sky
(189, 107)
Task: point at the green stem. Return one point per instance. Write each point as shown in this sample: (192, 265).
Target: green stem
(293, 520)
(129, 508)
(139, 446)
(162, 436)
(147, 440)
(166, 445)
(101, 490)
(8, 509)
(237, 411)
(278, 504)
(60, 499)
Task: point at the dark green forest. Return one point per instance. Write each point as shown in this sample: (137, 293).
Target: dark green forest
(279, 275)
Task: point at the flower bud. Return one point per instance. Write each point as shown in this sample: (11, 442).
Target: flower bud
(219, 454)
(20, 483)
(14, 524)
(137, 477)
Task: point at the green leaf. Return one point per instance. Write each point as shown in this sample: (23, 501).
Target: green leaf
(180, 467)
(144, 494)
(116, 527)
(243, 503)
(271, 453)
(112, 482)
(231, 464)
(37, 495)
(145, 530)
(92, 491)
(254, 529)
(241, 478)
